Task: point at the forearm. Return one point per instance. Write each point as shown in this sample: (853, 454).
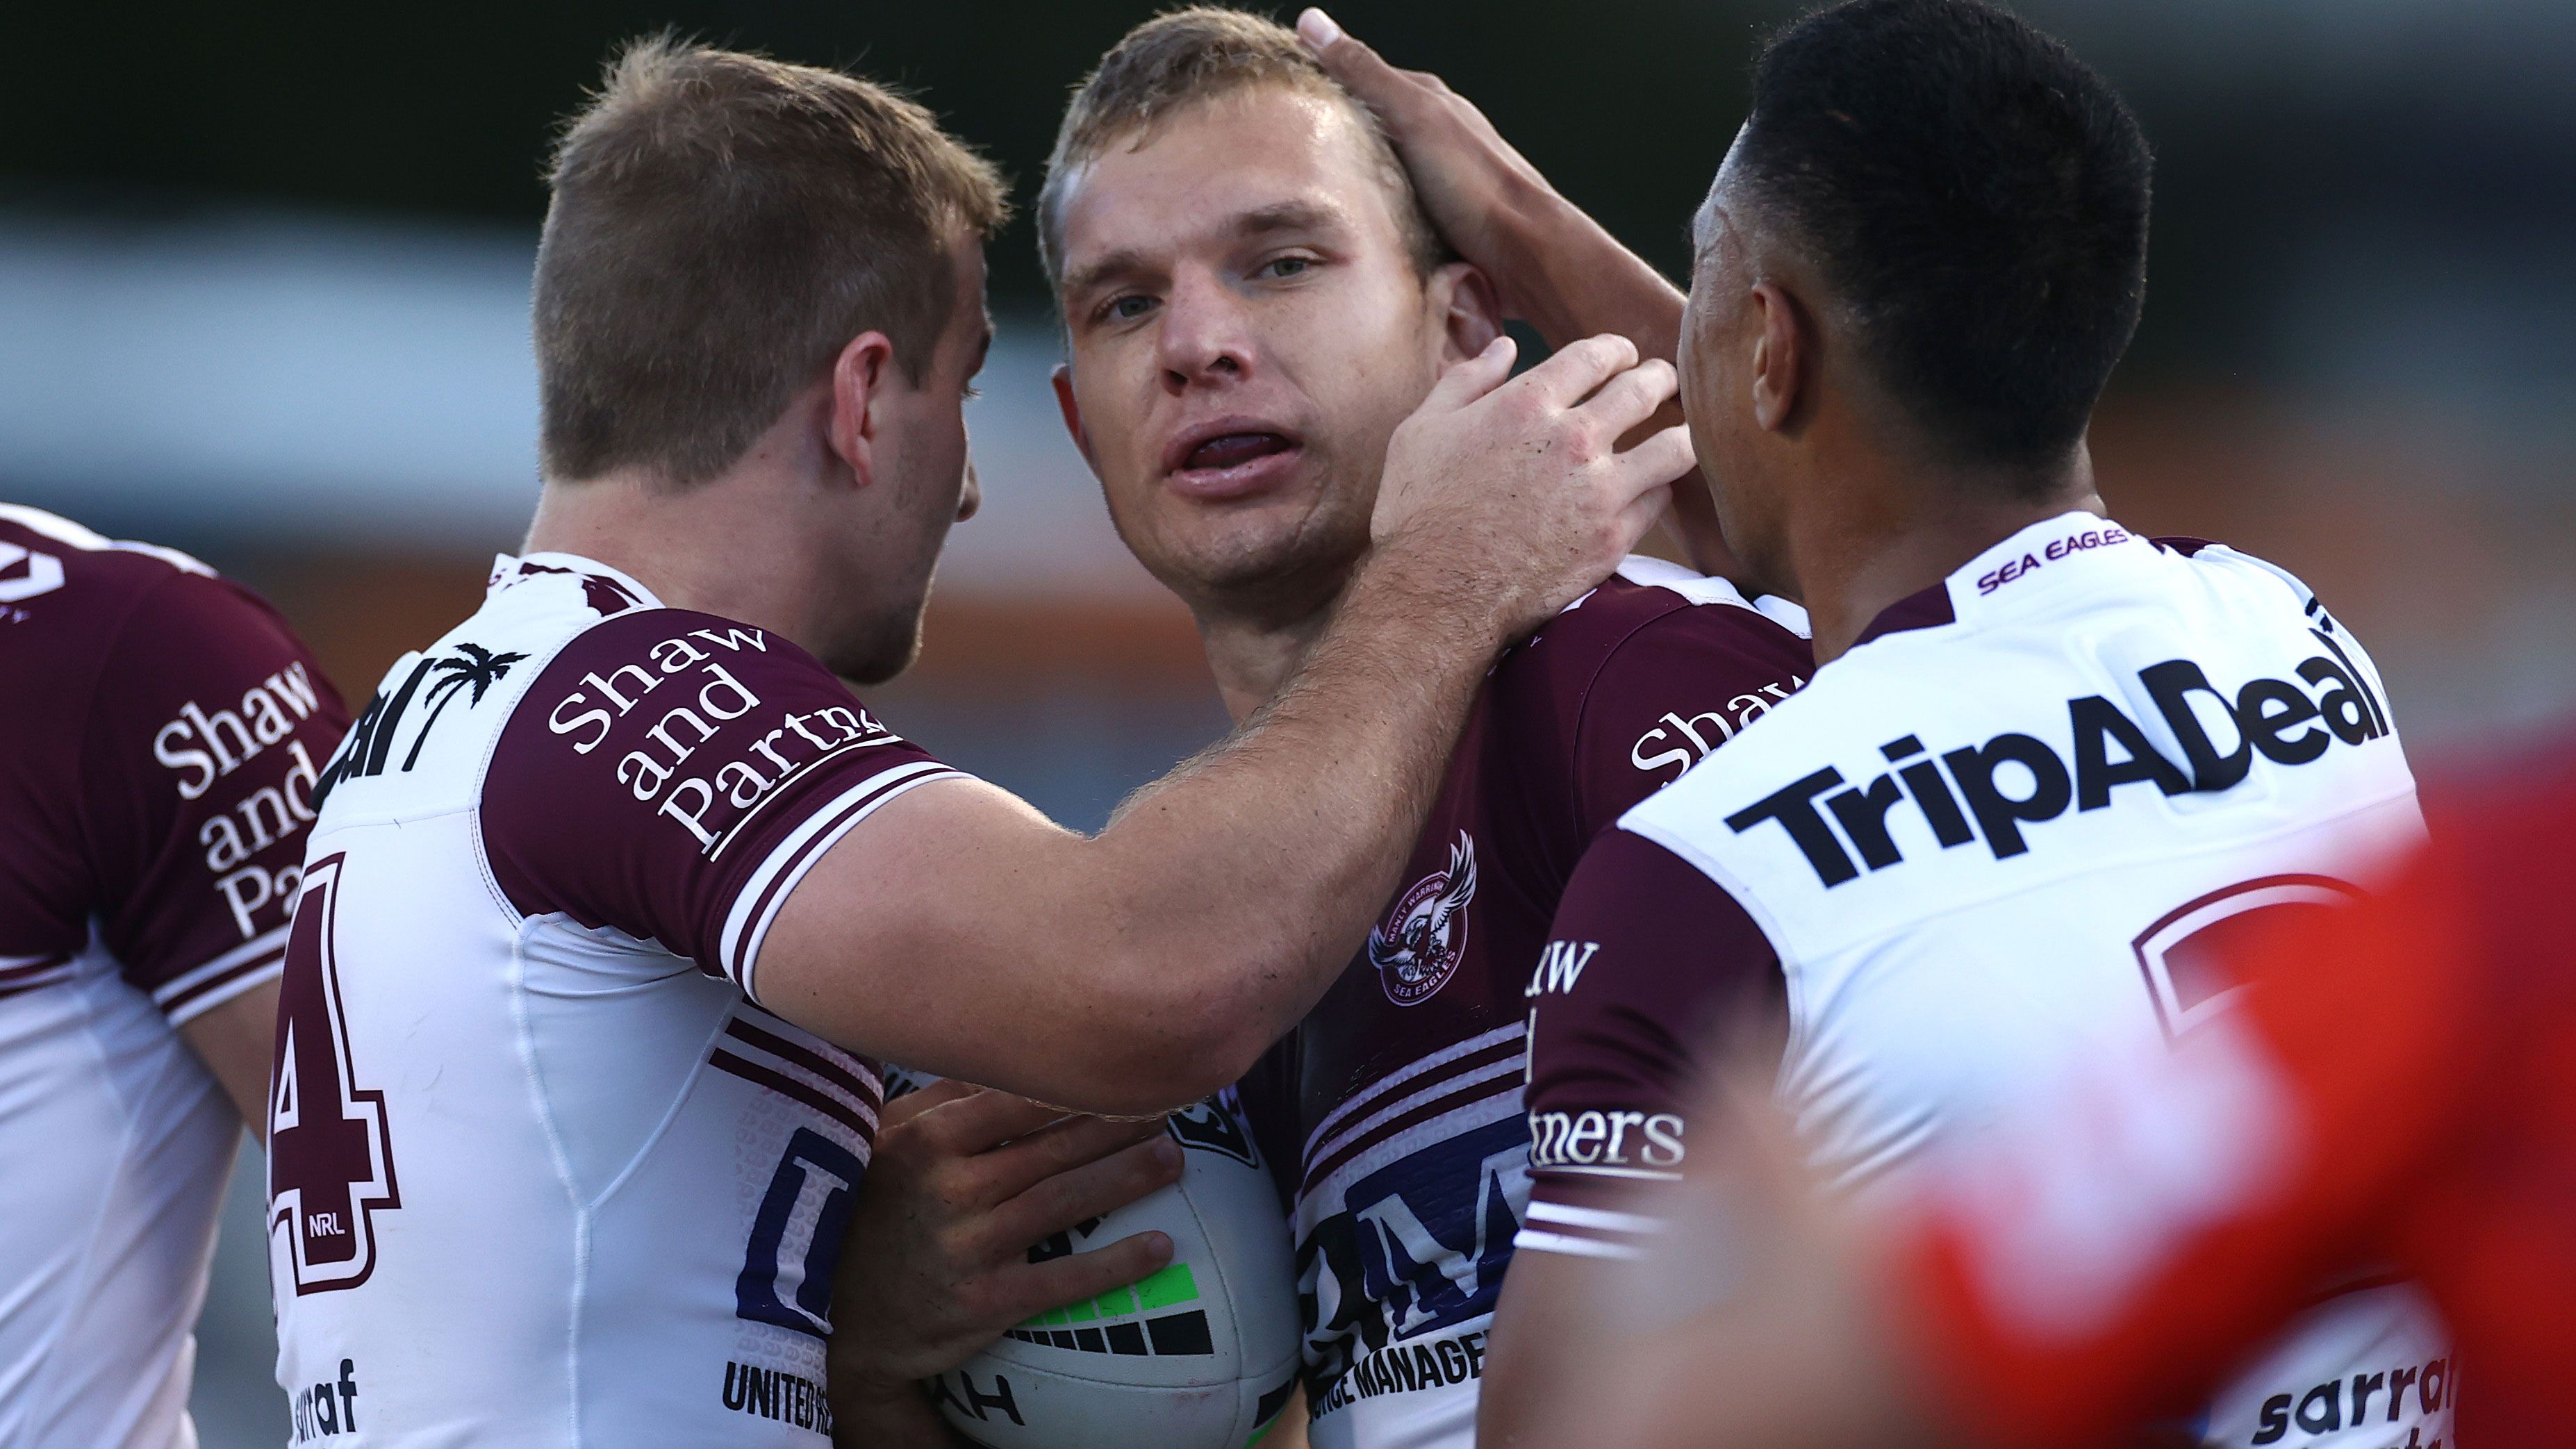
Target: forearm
(1567, 276)
(234, 1040)
(1290, 835)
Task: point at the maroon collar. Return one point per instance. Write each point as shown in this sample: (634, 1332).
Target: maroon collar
(1922, 609)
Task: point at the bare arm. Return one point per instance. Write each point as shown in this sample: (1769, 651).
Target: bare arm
(963, 933)
(1552, 265)
(1532, 1322)
(237, 1042)
(1755, 1318)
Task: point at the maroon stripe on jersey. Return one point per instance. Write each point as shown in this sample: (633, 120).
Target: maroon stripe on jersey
(820, 840)
(805, 1092)
(846, 1075)
(2178, 543)
(1362, 1106)
(32, 968)
(270, 962)
(1464, 1097)
(1924, 609)
(17, 987)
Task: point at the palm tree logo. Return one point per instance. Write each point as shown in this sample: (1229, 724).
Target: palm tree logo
(477, 671)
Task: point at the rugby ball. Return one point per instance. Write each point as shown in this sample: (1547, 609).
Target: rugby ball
(1202, 1355)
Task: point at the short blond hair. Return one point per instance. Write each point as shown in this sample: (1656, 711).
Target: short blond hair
(722, 225)
(1185, 57)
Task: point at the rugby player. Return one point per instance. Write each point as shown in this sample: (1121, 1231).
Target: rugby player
(2389, 1086)
(165, 732)
(617, 890)
(2042, 757)
(1252, 301)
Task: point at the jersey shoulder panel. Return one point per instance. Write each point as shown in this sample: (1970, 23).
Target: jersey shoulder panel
(163, 786)
(672, 775)
(209, 733)
(1641, 678)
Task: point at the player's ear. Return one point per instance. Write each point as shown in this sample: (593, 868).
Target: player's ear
(1781, 342)
(1071, 410)
(855, 422)
(1471, 312)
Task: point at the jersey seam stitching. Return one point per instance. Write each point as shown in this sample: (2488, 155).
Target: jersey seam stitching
(525, 1046)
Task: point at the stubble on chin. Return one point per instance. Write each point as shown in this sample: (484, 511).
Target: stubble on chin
(882, 649)
(1283, 573)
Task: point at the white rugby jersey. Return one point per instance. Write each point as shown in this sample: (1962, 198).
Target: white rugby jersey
(2006, 827)
(541, 1172)
(161, 732)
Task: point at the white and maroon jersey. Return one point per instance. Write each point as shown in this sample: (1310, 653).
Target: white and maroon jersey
(163, 732)
(1393, 1113)
(2008, 828)
(541, 1171)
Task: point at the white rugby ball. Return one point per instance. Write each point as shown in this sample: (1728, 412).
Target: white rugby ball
(1200, 1356)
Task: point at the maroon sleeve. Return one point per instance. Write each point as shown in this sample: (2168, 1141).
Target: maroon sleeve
(1648, 961)
(205, 738)
(1673, 691)
(673, 775)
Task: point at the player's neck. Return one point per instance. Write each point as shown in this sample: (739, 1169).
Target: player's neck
(1254, 654)
(1908, 529)
(698, 548)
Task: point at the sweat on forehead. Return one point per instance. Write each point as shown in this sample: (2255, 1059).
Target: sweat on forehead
(1175, 62)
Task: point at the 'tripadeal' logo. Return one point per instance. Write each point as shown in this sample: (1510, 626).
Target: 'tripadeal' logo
(1424, 937)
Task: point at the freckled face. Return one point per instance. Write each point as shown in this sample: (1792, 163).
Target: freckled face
(1246, 330)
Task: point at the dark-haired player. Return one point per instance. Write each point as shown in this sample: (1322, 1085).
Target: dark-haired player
(164, 734)
(2044, 762)
(1252, 300)
(2390, 1087)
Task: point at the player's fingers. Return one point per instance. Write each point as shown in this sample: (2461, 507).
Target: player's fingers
(985, 1119)
(1092, 1190)
(1578, 370)
(1348, 59)
(1466, 381)
(912, 1104)
(1009, 1171)
(1642, 514)
(1034, 1288)
(1631, 397)
(1658, 460)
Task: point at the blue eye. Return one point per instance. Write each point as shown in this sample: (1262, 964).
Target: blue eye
(1128, 309)
(1285, 266)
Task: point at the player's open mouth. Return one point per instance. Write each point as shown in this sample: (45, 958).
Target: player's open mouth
(1234, 448)
(1230, 460)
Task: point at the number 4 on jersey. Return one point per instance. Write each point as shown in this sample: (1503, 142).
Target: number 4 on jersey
(330, 1165)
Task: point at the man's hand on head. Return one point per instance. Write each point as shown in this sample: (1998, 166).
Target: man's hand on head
(1551, 265)
(1479, 191)
(963, 1181)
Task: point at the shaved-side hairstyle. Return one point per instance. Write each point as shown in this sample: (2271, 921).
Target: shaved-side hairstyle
(1187, 57)
(722, 225)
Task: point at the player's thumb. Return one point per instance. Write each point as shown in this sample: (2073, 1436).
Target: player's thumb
(1466, 381)
(1347, 59)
